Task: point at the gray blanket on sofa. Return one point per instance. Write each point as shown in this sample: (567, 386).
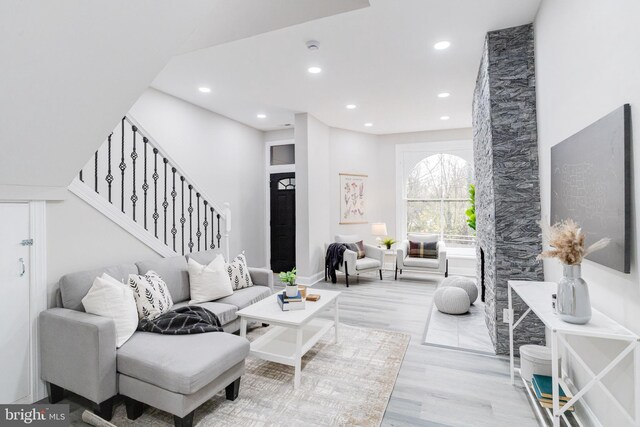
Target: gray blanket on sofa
(182, 321)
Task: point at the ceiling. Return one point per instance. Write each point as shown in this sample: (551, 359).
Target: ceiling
(380, 58)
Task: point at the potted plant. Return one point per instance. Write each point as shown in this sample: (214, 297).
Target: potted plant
(471, 212)
(388, 242)
(289, 279)
(567, 245)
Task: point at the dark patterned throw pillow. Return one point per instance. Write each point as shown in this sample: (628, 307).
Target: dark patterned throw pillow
(423, 249)
(239, 273)
(357, 247)
(151, 294)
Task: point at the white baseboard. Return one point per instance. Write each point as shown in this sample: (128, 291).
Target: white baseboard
(461, 271)
(310, 280)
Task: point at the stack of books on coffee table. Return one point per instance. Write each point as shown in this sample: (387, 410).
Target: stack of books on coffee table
(290, 303)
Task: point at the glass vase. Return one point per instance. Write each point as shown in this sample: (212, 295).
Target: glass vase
(574, 305)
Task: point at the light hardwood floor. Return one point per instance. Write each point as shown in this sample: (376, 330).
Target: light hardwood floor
(435, 386)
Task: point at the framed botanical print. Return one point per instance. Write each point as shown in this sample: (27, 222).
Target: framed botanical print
(353, 198)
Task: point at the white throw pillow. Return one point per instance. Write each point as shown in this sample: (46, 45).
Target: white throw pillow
(208, 282)
(114, 300)
(151, 294)
(239, 273)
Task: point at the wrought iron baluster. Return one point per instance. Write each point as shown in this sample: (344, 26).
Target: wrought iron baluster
(205, 223)
(145, 185)
(174, 230)
(155, 177)
(109, 177)
(190, 210)
(218, 236)
(182, 219)
(95, 168)
(213, 246)
(198, 232)
(134, 156)
(165, 204)
(122, 166)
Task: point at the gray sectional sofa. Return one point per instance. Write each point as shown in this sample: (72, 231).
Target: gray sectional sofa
(175, 373)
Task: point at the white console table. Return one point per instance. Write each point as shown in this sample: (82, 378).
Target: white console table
(537, 296)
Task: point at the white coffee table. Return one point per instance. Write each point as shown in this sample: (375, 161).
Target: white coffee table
(295, 332)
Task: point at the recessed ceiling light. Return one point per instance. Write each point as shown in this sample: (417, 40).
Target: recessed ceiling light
(314, 70)
(368, 125)
(442, 45)
(444, 95)
(261, 116)
(350, 106)
(444, 118)
(204, 89)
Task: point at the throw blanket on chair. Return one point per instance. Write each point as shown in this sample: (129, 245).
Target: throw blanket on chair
(182, 321)
(334, 258)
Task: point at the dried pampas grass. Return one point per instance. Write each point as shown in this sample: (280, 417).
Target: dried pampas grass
(567, 242)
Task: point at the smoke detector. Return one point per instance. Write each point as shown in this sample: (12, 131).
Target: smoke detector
(313, 45)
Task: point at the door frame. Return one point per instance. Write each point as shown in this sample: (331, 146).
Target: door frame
(269, 169)
(37, 292)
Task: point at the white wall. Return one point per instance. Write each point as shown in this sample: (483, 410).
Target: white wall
(70, 70)
(586, 66)
(312, 196)
(224, 158)
(81, 238)
(356, 153)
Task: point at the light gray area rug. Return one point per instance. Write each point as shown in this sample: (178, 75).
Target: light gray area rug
(344, 384)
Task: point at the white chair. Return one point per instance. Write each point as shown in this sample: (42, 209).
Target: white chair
(438, 265)
(352, 266)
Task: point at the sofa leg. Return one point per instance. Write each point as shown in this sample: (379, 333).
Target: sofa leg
(232, 390)
(380, 274)
(186, 421)
(56, 393)
(134, 408)
(326, 268)
(105, 409)
(446, 271)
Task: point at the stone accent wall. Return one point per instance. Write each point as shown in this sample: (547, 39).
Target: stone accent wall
(507, 182)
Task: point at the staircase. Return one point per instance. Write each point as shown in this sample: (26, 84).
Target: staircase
(137, 185)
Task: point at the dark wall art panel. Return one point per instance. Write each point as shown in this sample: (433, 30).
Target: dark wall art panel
(591, 183)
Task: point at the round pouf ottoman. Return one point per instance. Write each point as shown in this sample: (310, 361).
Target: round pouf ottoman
(451, 300)
(464, 283)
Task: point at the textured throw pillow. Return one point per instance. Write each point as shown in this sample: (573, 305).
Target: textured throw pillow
(423, 249)
(357, 247)
(239, 273)
(208, 282)
(114, 300)
(151, 294)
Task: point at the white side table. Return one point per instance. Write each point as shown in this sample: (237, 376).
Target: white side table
(389, 263)
(537, 296)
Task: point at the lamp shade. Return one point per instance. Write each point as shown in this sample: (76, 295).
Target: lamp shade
(379, 229)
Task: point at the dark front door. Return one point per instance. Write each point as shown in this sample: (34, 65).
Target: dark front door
(283, 221)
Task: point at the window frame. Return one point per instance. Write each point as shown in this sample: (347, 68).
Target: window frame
(407, 158)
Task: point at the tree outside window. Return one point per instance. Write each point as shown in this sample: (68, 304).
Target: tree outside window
(436, 199)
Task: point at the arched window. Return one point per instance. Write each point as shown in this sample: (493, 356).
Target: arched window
(436, 195)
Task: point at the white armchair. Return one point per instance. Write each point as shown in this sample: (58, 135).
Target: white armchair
(352, 266)
(438, 265)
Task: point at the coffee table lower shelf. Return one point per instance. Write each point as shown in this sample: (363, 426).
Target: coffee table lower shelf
(279, 344)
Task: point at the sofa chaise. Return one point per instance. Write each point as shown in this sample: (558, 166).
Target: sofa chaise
(174, 373)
